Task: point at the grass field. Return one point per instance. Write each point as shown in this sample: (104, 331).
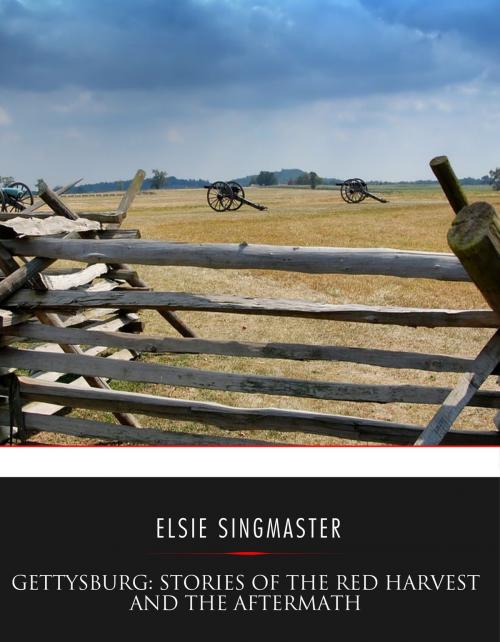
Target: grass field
(414, 219)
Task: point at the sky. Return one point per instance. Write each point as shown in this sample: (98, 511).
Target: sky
(217, 89)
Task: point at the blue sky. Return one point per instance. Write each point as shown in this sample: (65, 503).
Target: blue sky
(223, 88)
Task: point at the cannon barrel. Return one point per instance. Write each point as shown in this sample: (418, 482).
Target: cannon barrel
(257, 206)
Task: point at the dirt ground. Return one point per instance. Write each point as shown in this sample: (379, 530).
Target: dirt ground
(414, 219)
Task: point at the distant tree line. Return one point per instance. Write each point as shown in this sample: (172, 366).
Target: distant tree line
(307, 178)
(158, 180)
(494, 178)
(484, 180)
(312, 179)
(267, 179)
(264, 179)
(468, 180)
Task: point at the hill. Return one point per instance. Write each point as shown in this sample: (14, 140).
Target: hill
(283, 176)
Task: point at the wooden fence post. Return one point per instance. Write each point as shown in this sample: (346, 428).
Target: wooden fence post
(475, 239)
(38, 203)
(449, 182)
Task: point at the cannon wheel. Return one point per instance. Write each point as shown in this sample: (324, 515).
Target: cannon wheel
(237, 191)
(3, 207)
(220, 196)
(21, 202)
(353, 190)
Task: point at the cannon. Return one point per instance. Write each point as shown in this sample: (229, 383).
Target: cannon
(15, 197)
(228, 197)
(355, 190)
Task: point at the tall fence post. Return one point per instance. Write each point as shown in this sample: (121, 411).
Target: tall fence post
(474, 237)
(449, 182)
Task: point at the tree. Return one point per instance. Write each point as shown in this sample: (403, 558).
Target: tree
(303, 179)
(38, 184)
(120, 186)
(314, 180)
(6, 180)
(266, 179)
(308, 178)
(495, 178)
(159, 179)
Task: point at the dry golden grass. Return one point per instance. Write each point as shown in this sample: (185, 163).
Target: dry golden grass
(414, 219)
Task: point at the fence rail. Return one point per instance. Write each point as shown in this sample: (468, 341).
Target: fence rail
(310, 260)
(236, 419)
(68, 300)
(156, 344)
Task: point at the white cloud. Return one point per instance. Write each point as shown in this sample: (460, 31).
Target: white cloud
(79, 101)
(5, 118)
(173, 135)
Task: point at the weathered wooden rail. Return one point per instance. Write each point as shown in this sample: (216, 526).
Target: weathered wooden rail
(309, 260)
(95, 306)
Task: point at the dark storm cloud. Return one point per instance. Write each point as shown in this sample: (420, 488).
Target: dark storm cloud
(232, 52)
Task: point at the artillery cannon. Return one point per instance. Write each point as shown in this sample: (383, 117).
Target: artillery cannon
(228, 197)
(355, 190)
(15, 197)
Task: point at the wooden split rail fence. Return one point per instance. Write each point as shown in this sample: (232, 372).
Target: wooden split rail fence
(96, 306)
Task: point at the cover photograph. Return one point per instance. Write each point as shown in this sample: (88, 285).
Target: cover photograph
(188, 253)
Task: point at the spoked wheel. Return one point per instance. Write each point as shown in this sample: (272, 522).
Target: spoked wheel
(220, 196)
(3, 207)
(237, 190)
(353, 190)
(20, 201)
